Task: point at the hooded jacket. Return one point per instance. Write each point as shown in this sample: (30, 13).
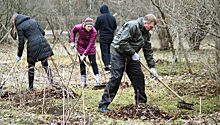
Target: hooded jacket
(37, 45)
(105, 23)
(131, 37)
(85, 43)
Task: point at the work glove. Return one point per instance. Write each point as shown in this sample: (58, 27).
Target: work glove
(72, 45)
(153, 73)
(18, 59)
(82, 57)
(135, 57)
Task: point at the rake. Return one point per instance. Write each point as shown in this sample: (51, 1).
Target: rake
(3, 82)
(181, 104)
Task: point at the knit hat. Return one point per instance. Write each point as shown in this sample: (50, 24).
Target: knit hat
(88, 21)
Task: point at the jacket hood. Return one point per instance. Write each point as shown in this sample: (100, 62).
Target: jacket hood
(104, 9)
(141, 24)
(20, 18)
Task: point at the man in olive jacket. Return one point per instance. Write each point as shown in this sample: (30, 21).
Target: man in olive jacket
(128, 41)
(38, 48)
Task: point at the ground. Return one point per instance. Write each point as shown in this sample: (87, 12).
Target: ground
(73, 105)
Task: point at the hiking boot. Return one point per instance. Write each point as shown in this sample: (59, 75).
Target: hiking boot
(103, 109)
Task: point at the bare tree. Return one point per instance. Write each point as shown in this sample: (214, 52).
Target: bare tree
(164, 30)
(216, 34)
(199, 30)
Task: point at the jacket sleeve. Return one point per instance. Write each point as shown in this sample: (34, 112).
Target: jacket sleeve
(148, 53)
(124, 45)
(97, 24)
(21, 41)
(41, 30)
(73, 34)
(91, 41)
(115, 24)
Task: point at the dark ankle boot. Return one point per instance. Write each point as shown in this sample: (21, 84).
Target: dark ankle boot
(103, 109)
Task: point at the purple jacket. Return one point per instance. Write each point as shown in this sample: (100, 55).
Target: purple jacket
(85, 43)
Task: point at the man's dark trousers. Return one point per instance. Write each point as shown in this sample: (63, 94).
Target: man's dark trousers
(120, 63)
(105, 44)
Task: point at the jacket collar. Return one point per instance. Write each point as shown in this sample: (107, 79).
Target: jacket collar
(141, 24)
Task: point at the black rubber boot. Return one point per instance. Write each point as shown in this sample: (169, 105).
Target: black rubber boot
(31, 78)
(49, 74)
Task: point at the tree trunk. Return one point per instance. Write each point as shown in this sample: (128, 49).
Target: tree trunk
(164, 43)
(197, 36)
(216, 27)
(164, 20)
(217, 44)
(201, 27)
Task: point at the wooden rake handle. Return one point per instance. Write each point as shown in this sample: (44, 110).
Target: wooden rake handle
(87, 65)
(163, 83)
(3, 82)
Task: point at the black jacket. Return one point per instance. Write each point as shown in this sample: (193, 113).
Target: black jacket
(37, 45)
(131, 37)
(105, 23)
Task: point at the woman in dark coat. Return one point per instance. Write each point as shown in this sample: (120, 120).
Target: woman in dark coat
(38, 48)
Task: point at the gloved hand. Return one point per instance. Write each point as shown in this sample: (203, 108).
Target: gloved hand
(135, 57)
(18, 59)
(153, 72)
(82, 57)
(72, 44)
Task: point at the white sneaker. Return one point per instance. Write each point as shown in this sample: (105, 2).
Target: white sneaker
(97, 80)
